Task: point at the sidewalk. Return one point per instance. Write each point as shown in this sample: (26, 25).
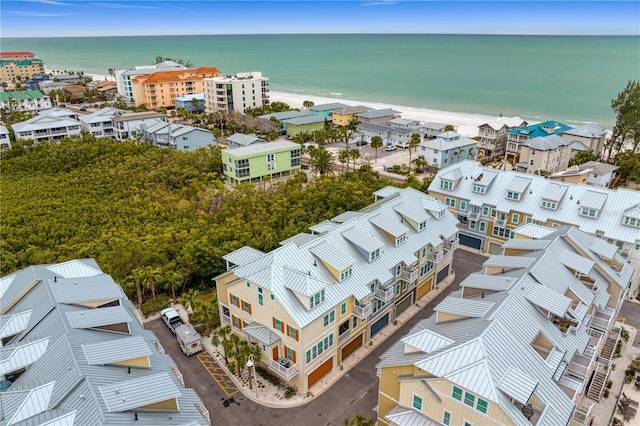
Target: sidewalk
(271, 396)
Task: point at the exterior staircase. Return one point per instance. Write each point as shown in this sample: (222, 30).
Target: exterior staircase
(597, 384)
(609, 346)
(603, 366)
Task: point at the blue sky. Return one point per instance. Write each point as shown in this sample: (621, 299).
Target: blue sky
(60, 18)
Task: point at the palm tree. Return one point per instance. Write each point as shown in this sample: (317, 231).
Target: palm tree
(470, 151)
(235, 351)
(152, 275)
(376, 142)
(457, 153)
(449, 128)
(414, 141)
(187, 299)
(354, 154)
(206, 312)
(343, 157)
(321, 162)
(420, 163)
(256, 353)
(358, 420)
(220, 337)
(307, 104)
(175, 277)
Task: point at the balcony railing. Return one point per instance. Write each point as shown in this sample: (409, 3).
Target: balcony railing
(410, 275)
(474, 215)
(205, 413)
(178, 375)
(344, 336)
(384, 294)
(137, 316)
(158, 346)
(363, 311)
(500, 222)
(435, 256)
(283, 367)
(451, 245)
(226, 318)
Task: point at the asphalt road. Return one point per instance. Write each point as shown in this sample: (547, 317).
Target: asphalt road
(355, 393)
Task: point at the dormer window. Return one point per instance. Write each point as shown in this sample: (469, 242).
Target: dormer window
(441, 214)
(401, 239)
(316, 299)
(586, 211)
(374, 254)
(512, 195)
(631, 221)
(479, 189)
(345, 274)
(551, 205)
(422, 225)
(446, 184)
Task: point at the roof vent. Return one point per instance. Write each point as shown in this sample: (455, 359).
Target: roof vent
(117, 390)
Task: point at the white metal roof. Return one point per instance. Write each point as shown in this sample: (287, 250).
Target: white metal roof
(86, 289)
(135, 393)
(299, 239)
(501, 261)
(533, 231)
(115, 350)
(13, 324)
(463, 307)
(593, 200)
(576, 262)
(518, 385)
(403, 416)
(426, 341)
(488, 282)
(18, 406)
(549, 300)
(366, 242)
(243, 255)
(262, 148)
(520, 244)
(302, 282)
(388, 225)
(93, 318)
(332, 256)
(262, 333)
(17, 356)
(411, 213)
(344, 217)
(555, 192)
(387, 191)
(518, 184)
(603, 248)
(74, 269)
(324, 226)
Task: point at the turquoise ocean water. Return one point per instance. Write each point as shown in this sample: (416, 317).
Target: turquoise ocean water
(566, 78)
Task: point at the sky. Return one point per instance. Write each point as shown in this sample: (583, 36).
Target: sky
(78, 18)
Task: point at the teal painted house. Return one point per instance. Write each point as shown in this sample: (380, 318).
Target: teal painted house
(326, 109)
(255, 162)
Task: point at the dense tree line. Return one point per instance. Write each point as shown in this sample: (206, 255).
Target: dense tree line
(153, 218)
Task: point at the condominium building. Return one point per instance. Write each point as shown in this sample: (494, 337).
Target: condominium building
(548, 154)
(590, 134)
(377, 116)
(47, 126)
(191, 103)
(159, 133)
(490, 204)
(74, 352)
(493, 136)
(516, 137)
(127, 125)
(22, 65)
(446, 149)
(25, 100)
(316, 299)
(162, 87)
(100, 123)
(236, 92)
(345, 116)
(257, 161)
(124, 75)
(525, 341)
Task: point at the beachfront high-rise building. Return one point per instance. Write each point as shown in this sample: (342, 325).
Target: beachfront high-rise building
(124, 75)
(162, 87)
(19, 65)
(236, 93)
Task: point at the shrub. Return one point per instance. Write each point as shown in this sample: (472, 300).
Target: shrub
(200, 329)
(629, 374)
(154, 305)
(624, 334)
(619, 350)
(609, 384)
(268, 376)
(290, 391)
(606, 393)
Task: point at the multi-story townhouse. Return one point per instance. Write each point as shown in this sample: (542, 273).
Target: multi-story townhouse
(431, 130)
(310, 305)
(236, 92)
(19, 64)
(493, 136)
(591, 134)
(186, 102)
(345, 116)
(47, 126)
(283, 116)
(160, 89)
(100, 123)
(600, 174)
(127, 125)
(523, 342)
(238, 140)
(448, 148)
(490, 204)
(260, 160)
(544, 154)
(377, 116)
(305, 124)
(516, 137)
(391, 135)
(326, 109)
(407, 123)
(25, 100)
(159, 133)
(124, 75)
(75, 352)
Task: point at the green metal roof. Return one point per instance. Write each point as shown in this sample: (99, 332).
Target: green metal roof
(25, 94)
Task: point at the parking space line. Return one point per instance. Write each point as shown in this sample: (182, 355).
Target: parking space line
(219, 374)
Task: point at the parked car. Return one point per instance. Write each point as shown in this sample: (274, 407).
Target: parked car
(83, 109)
(171, 319)
(361, 143)
(390, 148)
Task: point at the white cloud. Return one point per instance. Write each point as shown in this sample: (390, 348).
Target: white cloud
(379, 3)
(122, 6)
(36, 14)
(56, 3)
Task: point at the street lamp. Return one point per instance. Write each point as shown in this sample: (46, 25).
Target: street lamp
(250, 365)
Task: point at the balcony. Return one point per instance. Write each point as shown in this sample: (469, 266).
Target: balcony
(344, 336)
(435, 256)
(225, 318)
(410, 274)
(363, 311)
(474, 215)
(384, 294)
(283, 367)
(500, 222)
(451, 245)
(178, 375)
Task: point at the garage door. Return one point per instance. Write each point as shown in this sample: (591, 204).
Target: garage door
(404, 304)
(424, 288)
(472, 242)
(352, 346)
(380, 324)
(495, 248)
(319, 372)
(442, 274)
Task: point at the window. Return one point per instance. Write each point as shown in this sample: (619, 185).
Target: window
(329, 318)
(423, 224)
(278, 325)
(512, 195)
(291, 354)
(446, 184)
(317, 350)
(374, 254)
(273, 296)
(485, 211)
(246, 307)
(469, 399)
(426, 268)
(548, 205)
(531, 162)
(503, 232)
(463, 205)
(271, 157)
(515, 218)
(451, 202)
(345, 274)
(483, 226)
(397, 289)
(472, 224)
(271, 166)
(632, 221)
(417, 402)
(343, 308)
(316, 299)
(457, 393)
(248, 284)
(589, 212)
(404, 285)
(292, 332)
(398, 270)
(260, 297)
(482, 406)
(237, 322)
(446, 418)
(479, 189)
(235, 301)
(466, 423)
(354, 322)
(401, 239)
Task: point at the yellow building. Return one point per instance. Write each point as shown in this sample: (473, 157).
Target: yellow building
(13, 67)
(344, 116)
(315, 300)
(162, 87)
(524, 341)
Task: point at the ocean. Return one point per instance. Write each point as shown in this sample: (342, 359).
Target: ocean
(571, 79)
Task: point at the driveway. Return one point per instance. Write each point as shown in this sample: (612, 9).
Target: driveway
(355, 392)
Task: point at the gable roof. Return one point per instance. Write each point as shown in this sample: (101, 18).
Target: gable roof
(540, 129)
(378, 113)
(547, 143)
(588, 130)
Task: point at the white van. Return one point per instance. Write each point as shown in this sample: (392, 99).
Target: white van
(189, 340)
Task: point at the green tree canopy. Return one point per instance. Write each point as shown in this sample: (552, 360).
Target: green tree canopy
(582, 157)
